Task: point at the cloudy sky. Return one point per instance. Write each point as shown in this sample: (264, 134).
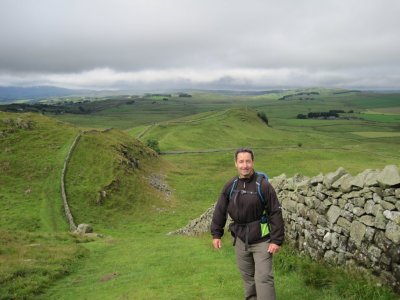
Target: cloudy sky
(161, 44)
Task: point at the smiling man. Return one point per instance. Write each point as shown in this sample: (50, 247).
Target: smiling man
(257, 228)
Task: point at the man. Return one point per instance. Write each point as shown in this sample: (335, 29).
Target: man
(254, 244)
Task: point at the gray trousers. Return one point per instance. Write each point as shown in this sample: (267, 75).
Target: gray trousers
(255, 265)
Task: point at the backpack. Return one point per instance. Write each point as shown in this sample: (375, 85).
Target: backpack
(263, 222)
(260, 177)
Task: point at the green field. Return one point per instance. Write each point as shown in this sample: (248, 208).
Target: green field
(374, 134)
(387, 111)
(109, 185)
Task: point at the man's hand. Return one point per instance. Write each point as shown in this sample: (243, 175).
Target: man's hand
(217, 243)
(273, 248)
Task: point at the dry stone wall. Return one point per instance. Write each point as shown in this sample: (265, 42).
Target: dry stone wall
(67, 211)
(81, 228)
(339, 218)
(346, 220)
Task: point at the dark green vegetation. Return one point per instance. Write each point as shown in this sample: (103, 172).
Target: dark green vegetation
(115, 183)
(300, 96)
(80, 106)
(332, 114)
(263, 117)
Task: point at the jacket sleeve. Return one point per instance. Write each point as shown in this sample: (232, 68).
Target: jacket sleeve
(220, 213)
(277, 228)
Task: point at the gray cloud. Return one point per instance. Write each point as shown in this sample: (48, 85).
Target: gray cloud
(189, 43)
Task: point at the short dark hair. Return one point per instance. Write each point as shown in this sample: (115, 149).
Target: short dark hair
(241, 150)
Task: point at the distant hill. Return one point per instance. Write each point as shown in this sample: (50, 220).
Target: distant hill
(217, 130)
(33, 93)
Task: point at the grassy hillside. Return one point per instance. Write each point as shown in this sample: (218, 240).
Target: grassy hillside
(32, 251)
(144, 110)
(35, 247)
(117, 185)
(217, 130)
(108, 179)
(291, 146)
(33, 149)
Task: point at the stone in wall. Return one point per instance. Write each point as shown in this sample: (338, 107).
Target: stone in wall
(359, 180)
(317, 179)
(390, 176)
(344, 183)
(393, 232)
(367, 220)
(278, 182)
(392, 216)
(84, 228)
(380, 220)
(357, 232)
(330, 178)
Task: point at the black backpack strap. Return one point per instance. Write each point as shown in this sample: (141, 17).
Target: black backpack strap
(260, 177)
(234, 185)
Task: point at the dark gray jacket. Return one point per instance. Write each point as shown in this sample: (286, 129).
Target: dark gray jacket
(246, 208)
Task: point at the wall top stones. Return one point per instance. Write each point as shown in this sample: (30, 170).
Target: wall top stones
(342, 180)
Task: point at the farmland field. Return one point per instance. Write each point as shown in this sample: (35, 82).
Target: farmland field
(374, 134)
(108, 184)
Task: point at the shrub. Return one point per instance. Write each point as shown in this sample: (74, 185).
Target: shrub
(153, 144)
(263, 117)
(301, 116)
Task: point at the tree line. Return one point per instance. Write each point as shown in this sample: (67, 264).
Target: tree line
(334, 113)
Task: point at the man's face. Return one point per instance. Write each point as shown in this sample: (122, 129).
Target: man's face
(244, 164)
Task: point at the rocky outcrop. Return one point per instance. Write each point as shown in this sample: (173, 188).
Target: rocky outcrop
(158, 182)
(343, 219)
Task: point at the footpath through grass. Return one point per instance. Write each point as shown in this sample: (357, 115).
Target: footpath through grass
(148, 264)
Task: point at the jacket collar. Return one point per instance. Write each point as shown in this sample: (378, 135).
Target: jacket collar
(248, 179)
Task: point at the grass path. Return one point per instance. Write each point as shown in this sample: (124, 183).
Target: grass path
(184, 120)
(148, 128)
(151, 265)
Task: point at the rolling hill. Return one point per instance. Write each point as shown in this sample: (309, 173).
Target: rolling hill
(107, 179)
(132, 197)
